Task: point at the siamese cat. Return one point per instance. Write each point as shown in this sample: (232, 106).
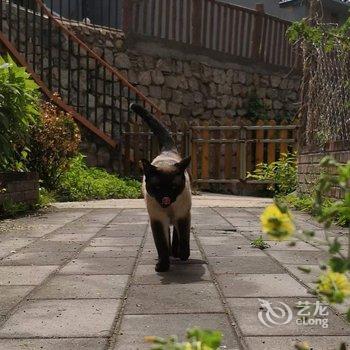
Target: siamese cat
(167, 191)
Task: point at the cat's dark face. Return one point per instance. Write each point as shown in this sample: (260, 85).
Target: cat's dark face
(165, 185)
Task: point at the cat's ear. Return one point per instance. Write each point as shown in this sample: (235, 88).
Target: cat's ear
(183, 165)
(146, 166)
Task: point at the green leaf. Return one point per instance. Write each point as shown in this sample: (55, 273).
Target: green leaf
(335, 247)
(338, 264)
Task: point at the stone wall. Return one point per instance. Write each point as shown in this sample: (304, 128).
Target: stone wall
(309, 169)
(186, 83)
(19, 188)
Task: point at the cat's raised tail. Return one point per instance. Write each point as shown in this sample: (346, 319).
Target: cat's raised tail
(162, 133)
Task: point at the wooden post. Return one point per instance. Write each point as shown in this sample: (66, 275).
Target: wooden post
(257, 32)
(127, 15)
(243, 154)
(196, 22)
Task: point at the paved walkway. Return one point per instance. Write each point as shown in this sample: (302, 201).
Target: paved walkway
(83, 278)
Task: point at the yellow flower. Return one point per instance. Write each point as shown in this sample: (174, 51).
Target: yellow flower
(334, 286)
(276, 224)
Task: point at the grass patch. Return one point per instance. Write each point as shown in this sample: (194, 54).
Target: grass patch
(307, 204)
(259, 243)
(82, 183)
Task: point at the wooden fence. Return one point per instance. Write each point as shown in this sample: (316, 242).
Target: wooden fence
(225, 154)
(214, 25)
(220, 154)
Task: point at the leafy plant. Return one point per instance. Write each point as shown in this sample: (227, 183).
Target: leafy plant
(282, 174)
(333, 285)
(10, 209)
(197, 339)
(55, 140)
(45, 197)
(259, 243)
(19, 101)
(82, 183)
(256, 108)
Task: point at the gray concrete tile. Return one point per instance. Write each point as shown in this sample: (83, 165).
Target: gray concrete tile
(125, 251)
(53, 344)
(179, 273)
(83, 287)
(246, 312)
(10, 296)
(261, 285)
(245, 264)
(28, 231)
(62, 318)
(149, 257)
(232, 250)
(71, 237)
(230, 240)
(135, 327)
(52, 246)
(122, 230)
(39, 258)
(24, 275)
(299, 257)
(315, 272)
(288, 343)
(286, 246)
(99, 266)
(14, 244)
(115, 241)
(173, 298)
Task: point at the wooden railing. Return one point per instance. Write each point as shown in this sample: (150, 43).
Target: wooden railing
(220, 154)
(214, 25)
(225, 154)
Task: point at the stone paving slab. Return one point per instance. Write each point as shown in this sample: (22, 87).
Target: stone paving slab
(246, 311)
(83, 287)
(173, 298)
(37, 259)
(124, 251)
(62, 319)
(178, 274)
(24, 275)
(261, 285)
(52, 246)
(90, 275)
(113, 241)
(10, 296)
(53, 344)
(280, 343)
(299, 257)
(99, 266)
(245, 264)
(135, 327)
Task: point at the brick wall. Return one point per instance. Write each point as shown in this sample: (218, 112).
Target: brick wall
(19, 187)
(309, 169)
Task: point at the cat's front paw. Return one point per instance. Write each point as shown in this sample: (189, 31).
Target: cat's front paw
(162, 266)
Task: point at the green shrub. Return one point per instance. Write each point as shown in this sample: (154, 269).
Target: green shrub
(197, 339)
(10, 209)
(45, 197)
(282, 174)
(19, 101)
(82, 183)
(55, 140)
